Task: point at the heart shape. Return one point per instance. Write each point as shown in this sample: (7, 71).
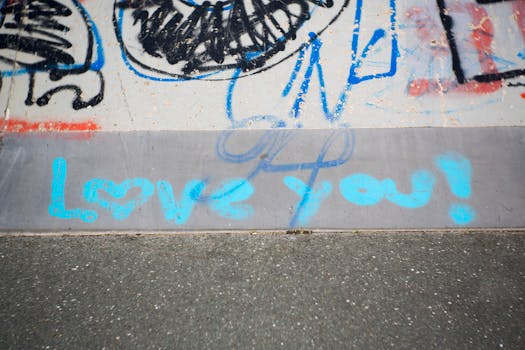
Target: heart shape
(119, 211)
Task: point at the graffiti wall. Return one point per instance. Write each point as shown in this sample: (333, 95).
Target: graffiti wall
(241, 114)
(201, 65)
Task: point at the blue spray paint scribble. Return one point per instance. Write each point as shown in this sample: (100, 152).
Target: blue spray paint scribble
(314, 63)
(118, 191)
(238, 124)
(272, 143)
(458, 172)
(57, 206)
(311, 198)
(179, 211)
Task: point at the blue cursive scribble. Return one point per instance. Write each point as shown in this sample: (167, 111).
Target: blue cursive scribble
(314, 47)
(271, 144)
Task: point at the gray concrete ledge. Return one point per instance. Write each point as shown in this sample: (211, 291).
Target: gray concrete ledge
(340, 179)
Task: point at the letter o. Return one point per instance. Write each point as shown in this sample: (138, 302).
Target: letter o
(361, 189)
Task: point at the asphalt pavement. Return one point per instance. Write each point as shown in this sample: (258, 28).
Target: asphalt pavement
(372, 290)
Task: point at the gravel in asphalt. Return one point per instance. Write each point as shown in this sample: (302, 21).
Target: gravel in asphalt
(363, 291)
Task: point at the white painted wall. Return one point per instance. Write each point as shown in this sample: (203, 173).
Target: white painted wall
(421, 90)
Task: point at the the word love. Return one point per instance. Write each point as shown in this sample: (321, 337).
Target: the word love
(121, 199)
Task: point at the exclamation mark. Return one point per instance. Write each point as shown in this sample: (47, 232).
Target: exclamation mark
(458, 172)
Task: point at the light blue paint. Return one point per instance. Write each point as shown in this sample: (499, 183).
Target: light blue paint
(232, 191)
(57, 206)
(118, 191)
(462, 214)
(458, 172)
(366, 190)
(362, 189)
(179, 211)
(311, 199)
(422, 187)
(503, 64)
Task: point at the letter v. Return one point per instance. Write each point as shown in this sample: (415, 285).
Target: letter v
(179, 211)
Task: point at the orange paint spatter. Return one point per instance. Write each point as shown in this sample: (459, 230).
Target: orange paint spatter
(523, 95)
(24, 126)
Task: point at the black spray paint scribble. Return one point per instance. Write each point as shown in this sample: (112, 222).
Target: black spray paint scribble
(52, 36)
(214, 36)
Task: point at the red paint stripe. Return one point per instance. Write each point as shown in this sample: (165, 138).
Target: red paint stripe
(23, 126)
